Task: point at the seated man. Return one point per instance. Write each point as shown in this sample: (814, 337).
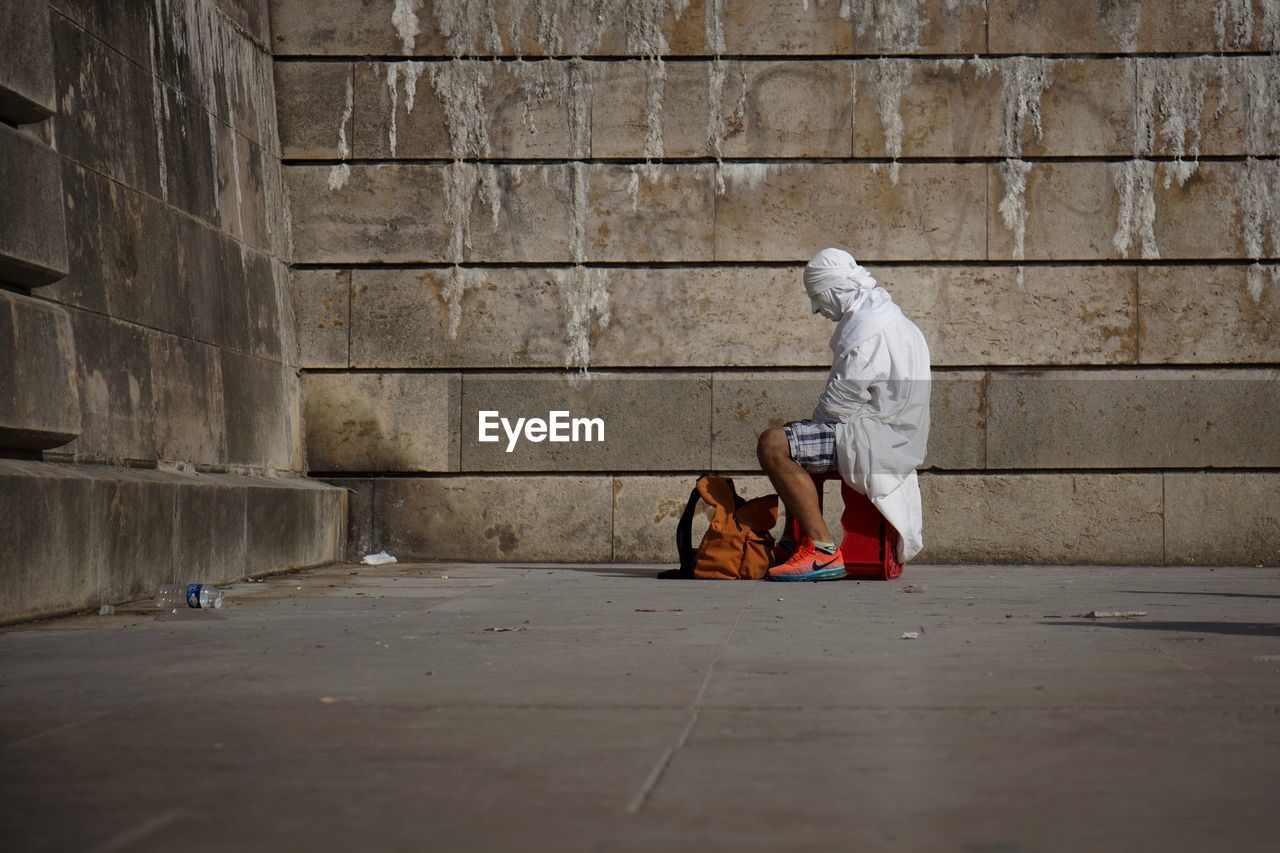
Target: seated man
(871, 423)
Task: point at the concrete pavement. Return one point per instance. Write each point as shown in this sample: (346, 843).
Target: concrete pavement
(483, 707)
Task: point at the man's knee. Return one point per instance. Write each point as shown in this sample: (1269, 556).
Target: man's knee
(772, 446)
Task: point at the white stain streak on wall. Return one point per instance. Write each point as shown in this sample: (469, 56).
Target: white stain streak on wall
(393, 87)
(159, 107)
(1258, 193)
(1013, 207)
(1234, 21)
(231, 77)
(892, 24)
(1170, 107)
(404, 17)
(1023, 84)
(340, 172)
(1121, 19)
(889, 79)
(1134, 182)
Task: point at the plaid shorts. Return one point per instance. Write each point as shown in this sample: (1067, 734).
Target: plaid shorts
(812, 445)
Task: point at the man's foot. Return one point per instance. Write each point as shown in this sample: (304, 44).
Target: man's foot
(810, 564)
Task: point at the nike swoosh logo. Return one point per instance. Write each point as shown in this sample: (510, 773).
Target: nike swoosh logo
(828, 562)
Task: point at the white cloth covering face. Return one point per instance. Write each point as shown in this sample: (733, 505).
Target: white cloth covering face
(877, 393)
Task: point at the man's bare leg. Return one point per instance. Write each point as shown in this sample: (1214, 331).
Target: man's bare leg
(793, 484)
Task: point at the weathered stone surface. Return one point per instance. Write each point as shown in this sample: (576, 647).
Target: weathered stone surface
(764, 118)
(526, 108)
(1087, 109)
(1222, 519)
(250, 16)
(243, 197)
(651, 421)
(359, 533)
(946, 109)
(662, 213)
(1203, 218)
(530, 107)
(26, 63)
(39, 406)
(1218, 128)
(788, 212)
(1039, 315)
(931, 26)
(196, 167)
(90, 533)
(262, 414)
(263, 295)
(661, 317)
(1071, 212)
(619, 100)
(957, 108)
(1133, 419)
(123, 26)
(514, 317)
(563, 519)
(113, 376)
(381, 422)
(746, 404)
(209, 528)
(312, 107)
(114, 266)
(322, 306)
(206, 56)
(792, 28)
(103, 103)
(1207, 315)
(45, 508)
(1104, 26)
(130, 529)
(292, 523)
(388, 213)
(402, 213)
(306, 28)
(186, 381)
(527, 219)
(301, 28)
(1042, 518)
(420, 127)
(646, 511)
(709, 317)
(1074, 209)
(958, 420)
(33, 243)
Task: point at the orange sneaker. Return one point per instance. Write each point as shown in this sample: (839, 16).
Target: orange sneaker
(809, 564)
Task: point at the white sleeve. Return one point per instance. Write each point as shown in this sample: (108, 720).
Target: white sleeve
(851, 386)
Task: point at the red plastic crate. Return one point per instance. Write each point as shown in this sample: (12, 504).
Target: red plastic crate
(870, 544)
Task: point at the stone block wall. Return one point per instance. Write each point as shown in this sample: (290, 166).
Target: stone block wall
(604, 207)
(150, 403)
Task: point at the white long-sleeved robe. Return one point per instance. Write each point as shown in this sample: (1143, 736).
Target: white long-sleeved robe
(878, 395)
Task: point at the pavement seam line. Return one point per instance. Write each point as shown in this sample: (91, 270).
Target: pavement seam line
(651, 781)
(130, 837)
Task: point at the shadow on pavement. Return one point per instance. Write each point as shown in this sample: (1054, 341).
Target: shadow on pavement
(1241, 629)
(624, 571)
(1222, 594)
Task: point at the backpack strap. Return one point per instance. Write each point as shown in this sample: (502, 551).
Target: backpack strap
(684, 536)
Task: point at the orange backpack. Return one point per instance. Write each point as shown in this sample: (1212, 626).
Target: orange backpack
(737, 546)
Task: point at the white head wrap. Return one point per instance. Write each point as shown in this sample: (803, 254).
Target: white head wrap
(835, 268)
(836, 283)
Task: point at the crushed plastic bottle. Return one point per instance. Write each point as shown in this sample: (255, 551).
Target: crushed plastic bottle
(199, 595)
